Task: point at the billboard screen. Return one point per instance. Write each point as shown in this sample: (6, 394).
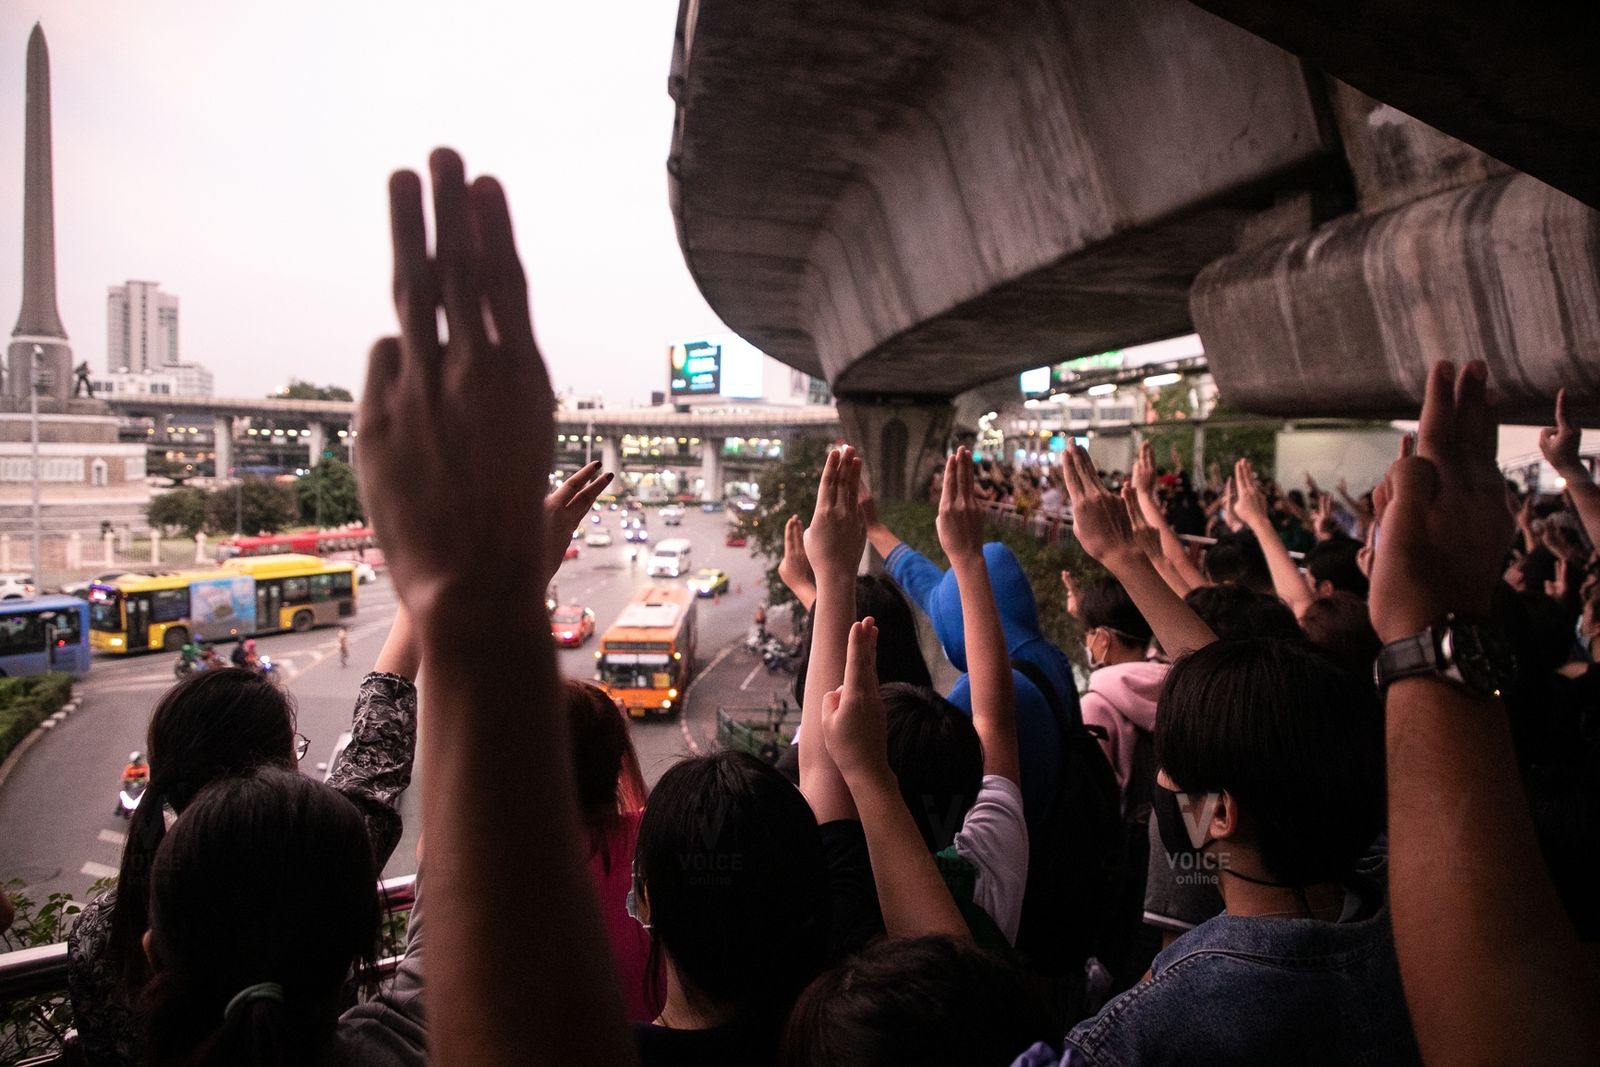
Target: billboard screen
(696, 368)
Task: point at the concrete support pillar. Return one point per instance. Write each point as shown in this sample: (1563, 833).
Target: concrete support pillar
(711, 468)
(903, 442)
(1197, 473)
(155, 547)
(611, 456)
(223, 446)
(200, 548)
(319, 442)
(111, 550)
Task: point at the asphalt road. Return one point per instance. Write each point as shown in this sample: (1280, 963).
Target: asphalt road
(57, 829)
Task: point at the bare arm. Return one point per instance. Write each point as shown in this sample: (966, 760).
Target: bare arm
(1467, 880)
(911, 893)
(400, 654)
(442, 444)
(833, 542)
(1560, 447)
(1287, 580)
(1174, 564)
(994, 704)
(1103, 528)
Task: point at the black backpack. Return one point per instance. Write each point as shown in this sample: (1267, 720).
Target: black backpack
(1076, 908)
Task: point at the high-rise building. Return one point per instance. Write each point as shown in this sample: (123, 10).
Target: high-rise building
(141, 327)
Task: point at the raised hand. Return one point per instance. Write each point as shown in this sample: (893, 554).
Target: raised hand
(565, 508)
(855, 723)
(1071, 585)
(1249, 503)
(838, 533)
(448, 424)
(1147, 537)
(794, 568)
(1099, 519)
(960, 521)
(1559, 443)
(1446, 528)
(1144, 471)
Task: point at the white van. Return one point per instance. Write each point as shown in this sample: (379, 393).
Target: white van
(670, 559)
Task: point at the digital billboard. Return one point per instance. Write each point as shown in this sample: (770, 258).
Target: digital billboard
(696, 368)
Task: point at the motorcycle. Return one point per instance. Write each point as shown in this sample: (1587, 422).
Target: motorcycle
(778, 656)
(128, 797)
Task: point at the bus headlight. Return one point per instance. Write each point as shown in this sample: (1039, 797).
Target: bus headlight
(666, 703)
(673, 693)
(116, 642)
(677, 655)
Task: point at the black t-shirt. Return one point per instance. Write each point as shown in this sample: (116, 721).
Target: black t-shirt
(735, 1045)
(857, 918)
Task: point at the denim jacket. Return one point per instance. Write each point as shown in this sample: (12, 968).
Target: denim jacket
(1261, 990)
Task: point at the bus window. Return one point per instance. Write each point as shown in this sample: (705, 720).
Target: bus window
(296, 591)
(66, 628)
(105, 611)
(321, 587)
(21, 634)
(169, 605)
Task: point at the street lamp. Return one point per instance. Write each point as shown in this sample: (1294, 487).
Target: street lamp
(33, 413)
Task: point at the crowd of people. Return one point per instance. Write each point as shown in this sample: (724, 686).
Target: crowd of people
(1241, 844)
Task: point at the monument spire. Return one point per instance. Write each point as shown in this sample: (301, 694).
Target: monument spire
(39, 317)
(39, 323)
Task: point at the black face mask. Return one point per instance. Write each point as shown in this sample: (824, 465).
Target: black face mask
(1177, 838)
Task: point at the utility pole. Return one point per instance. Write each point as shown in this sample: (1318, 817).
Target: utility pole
(33, 412)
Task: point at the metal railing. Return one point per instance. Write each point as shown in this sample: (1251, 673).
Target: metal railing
(42, 971)
(1054, 527)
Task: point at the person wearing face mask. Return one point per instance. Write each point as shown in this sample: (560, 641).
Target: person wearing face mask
(1271, 785)
(1123, 688)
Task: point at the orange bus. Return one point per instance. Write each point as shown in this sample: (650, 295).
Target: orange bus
(645, 658)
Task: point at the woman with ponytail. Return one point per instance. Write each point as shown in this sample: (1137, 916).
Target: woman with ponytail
(213, 725)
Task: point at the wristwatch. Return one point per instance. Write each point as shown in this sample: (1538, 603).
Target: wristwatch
(1470, 653)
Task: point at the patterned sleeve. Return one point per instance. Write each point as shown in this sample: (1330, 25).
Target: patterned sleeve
(104, 1024)
(376, 767)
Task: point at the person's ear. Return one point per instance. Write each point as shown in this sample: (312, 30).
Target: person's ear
(1324, 587)
(149, 953)
(1224, 817)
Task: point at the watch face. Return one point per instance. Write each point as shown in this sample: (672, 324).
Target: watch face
(1480, 655)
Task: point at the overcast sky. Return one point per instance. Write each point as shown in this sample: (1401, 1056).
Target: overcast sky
(238, 153)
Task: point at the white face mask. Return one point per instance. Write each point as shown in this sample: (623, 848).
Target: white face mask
(1088, 649)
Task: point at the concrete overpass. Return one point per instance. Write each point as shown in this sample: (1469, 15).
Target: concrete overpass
(914, 198)
(314, 423)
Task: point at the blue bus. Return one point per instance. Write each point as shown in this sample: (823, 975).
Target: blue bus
(42, 634)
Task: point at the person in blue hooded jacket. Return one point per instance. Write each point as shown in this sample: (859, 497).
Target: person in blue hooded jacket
(934, 591)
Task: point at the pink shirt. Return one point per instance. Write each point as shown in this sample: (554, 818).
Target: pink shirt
(630, 942)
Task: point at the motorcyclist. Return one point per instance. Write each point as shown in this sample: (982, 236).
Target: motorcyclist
(137, 770)
(252, 662)
(210, 658)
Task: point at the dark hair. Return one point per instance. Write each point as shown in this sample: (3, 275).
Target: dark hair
(936, 757)
(924, 1000)
(1340, 628)
(212, 725)
(1237, 559)
(1106, 605)
(1232, 611)
(899, 655)
(729, 860)
(267, 878)
(1296, 741)
(1334, 561)
(605, 766)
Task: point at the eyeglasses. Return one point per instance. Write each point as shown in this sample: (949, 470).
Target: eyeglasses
(302, 744)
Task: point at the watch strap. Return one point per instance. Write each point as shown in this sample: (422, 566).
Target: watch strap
(1406, 658)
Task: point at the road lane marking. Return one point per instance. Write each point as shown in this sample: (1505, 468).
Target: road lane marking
(98, 871)
(111, 837)
(745, 685)
(683, 708)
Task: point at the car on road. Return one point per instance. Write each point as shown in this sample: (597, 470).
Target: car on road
(710, 507)
(365, 573)
(708, 581)
(16, 586)
(672, 515)
(571, 625)
(736, 539)
(81, 589)
(741, 505)
(599, 537)
(571, 552)
(636, 534)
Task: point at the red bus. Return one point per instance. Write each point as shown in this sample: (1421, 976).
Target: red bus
(352, 542)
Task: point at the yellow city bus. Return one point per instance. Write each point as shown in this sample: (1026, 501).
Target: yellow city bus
(246, 596)
(645, 658)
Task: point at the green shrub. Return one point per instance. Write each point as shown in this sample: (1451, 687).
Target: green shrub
(27, 702)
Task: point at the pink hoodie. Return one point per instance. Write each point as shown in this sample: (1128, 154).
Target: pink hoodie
(1122, 699)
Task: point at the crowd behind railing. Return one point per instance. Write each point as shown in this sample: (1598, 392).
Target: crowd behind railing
(1338, 814)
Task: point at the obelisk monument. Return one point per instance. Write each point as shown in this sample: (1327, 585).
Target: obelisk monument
(39, 322)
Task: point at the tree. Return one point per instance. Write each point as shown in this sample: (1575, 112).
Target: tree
(252, 506)
(327, 494)
(301, 390)
(790, 488)
(179, 511)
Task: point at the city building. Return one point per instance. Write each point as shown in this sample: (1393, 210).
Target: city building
(175, 379)
(141, 327)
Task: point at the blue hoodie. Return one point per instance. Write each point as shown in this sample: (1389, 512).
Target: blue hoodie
(1038, 740)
